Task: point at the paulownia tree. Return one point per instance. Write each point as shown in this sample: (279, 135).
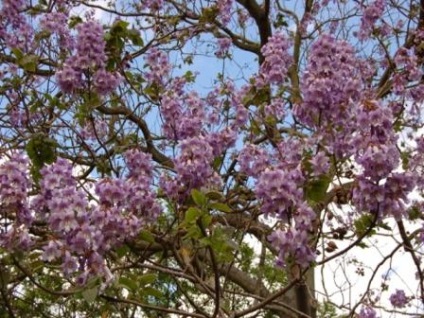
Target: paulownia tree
(199, 158)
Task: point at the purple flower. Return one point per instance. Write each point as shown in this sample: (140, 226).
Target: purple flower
(105, 82)
(277, 59)
(398, 299)
(367, 312)
(52, 251)
(91, 44)
(320, 164)
(223, 47)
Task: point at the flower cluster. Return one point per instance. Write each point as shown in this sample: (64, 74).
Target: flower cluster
(330, 86)
(83, 233)
(379, 188)
(370, 16)
(398, 299)
(14, 28)
(279, 187)
(280, 191)
(367, 312)
(159, 67)
(224, 8)
(184, 115)
(11, 11)
(56, 23)
(409, 70)
(87, 67)
(277, 60)
(223, 47)
(253, 160)
(193, 166)
(293, 243)
(14, 185)
(200, 131)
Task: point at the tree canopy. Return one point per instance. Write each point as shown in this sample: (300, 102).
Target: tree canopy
(173, 158)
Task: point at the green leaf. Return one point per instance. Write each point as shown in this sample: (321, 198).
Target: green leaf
(29, 62)
(189, 77)
(152, 292)
(74, 21)
(198, 197)
(18, 53)
(220, 207)
(316, 189)
(147, 236)
(147, 279)
(41, 150)
(206, 220)
(363, 224)
(120, 27)
(90, 294)
(135, 37)
(214, 195)
(414, 213)
(122, 251)
(384, 226)
(128, 283)
(191, 215)
(362, 245)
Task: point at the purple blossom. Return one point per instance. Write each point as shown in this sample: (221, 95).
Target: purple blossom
(56, 23)
(292, 243)
(398, 299)
(367, 312)
(223, 47)
(277, 59)
(69, 78)
(52, 251)
(88, 64)
(193, 166)
(370, 16)
(14, 28)
(253, 160)
(90, 44)
(320, 164)
(225, 13)
(105, 82)
(159, 66)
(279, 191)
(14, 185)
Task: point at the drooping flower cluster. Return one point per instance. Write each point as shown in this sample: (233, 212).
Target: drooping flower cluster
(224, 8)
(87, 67)
(201, 132)
(159, 67)
(331, 85)
(292, 242)
(14, 185)
(280, 191)
(56, 23)
(367, 312)
(253, 160)
(370, 15)
(193, 166)
(279, 187)
(83, 233)
(14, 28)
(379, 188)
(398, 299)
(223, 47)
(277, 60)
(409, 70)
